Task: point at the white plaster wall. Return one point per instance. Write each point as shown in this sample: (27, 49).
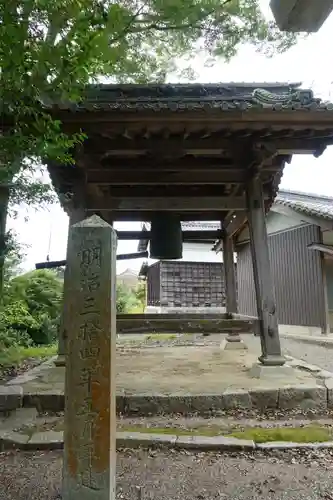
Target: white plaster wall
(197, 252)
(327, 237)
(275, 222)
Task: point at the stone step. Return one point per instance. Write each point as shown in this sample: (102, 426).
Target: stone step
(27, 430)
(11, 398)
(316, 399)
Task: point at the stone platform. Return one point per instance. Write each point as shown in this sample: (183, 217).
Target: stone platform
(207, 322)
(187, 379)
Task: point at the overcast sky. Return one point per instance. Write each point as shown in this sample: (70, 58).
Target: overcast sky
(310, 62)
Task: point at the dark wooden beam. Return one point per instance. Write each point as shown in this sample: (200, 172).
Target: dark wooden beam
(152, 162)
(170, 204)
(235, 223)
(52, 264)
(163, 191)
(187, 235)
(166, 147)
(231, 224)
(145, 215)
(293, 145)
(140, 177)
(178, 145)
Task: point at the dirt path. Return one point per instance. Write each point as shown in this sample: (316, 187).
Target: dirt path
(182, 476)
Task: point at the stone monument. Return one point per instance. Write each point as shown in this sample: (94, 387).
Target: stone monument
(90, 388)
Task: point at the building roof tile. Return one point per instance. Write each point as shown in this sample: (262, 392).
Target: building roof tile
(197, 96)
(306, 203)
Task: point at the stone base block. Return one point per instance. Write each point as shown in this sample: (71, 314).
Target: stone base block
(303, 397)
(232, 345)
(11, 398)
(60, 360)
(263, 371)
(272, 360)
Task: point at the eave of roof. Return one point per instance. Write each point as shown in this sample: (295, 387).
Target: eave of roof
(306, 203)
(227, 96)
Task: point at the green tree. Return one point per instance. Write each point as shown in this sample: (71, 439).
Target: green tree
(126, 299)
(33, 304)
(140, 293)
(49, 50)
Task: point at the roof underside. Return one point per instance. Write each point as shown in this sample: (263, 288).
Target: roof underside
(188, 149)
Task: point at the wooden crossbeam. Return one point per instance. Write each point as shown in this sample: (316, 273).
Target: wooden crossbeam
(102, 144)
(180, 145)
(150, 177)
(235, 223)
(152, 162)
(52, 264)
(169, 204)
(187, 235)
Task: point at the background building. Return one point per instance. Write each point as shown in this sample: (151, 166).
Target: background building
(300, 228)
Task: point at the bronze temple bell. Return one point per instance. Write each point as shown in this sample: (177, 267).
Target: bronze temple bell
(166, 239)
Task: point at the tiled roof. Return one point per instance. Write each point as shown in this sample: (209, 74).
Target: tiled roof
(186, 226)
(179, 97)
(195, 226)
(306, 203)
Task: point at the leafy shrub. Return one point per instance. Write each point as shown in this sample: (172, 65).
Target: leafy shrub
(32, 306)
(9, 337)
(126, 299)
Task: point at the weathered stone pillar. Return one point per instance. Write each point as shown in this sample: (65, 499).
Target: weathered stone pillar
(233, 339)
(90, 388)
(76, 215)
(268, 322)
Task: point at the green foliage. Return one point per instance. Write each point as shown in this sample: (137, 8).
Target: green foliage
(32, 306)
(50, 50)
(140, 294)
(14, 255)
(41, 290)
(126, 299)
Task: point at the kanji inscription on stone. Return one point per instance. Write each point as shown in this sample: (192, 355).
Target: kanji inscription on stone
(90, 416)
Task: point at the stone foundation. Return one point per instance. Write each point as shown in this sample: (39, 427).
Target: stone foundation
(300, 398)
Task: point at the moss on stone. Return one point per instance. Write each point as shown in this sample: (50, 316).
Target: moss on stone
(307, 434)
(313, 433)
(161, 336)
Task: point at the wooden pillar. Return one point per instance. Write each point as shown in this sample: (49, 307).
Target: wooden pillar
(233, 340)
(266, 306)
(229, 275)
(89, 465)
(76, 215)
(325, 328)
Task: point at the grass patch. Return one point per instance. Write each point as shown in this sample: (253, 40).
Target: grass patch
(308, 434)
(15, 356)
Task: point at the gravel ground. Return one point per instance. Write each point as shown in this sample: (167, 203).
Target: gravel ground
(162, 475)
(313, 354)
